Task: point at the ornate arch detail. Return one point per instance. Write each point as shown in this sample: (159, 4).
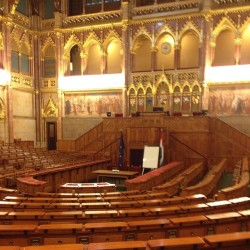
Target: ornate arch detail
(163, 79)
(2, 109)
(50, 109)
(166, 29)
(112, 36)
(16, 36)
(140, 86)
(132, 87)
(25, 40)
(91, 39)
(186, 85)
(224, 24)
(47, 43)
(177, 85)
(190, 26)
(142, 31)
(72, 41)
(196, 84)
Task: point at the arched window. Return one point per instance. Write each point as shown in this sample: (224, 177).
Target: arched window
(224, 50)
(186, 100)
(177, 99)
(149, 100)
(114, 58)
(165, 53)
(162, 97)
(140, 100)
(132, 101)
(189, 53)
(75, 61)
(142, 54)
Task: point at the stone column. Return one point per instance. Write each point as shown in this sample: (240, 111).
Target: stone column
(36, 72)
(126, 43)
(9, 91)
(59, 73)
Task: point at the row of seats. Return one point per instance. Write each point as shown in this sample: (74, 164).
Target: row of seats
(209, 183)
(155, 177)
(228, 241)
(188, 176)
(240, 187)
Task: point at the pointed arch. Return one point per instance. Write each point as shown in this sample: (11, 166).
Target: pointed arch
(113, 51)
(189, 47)
(164, 48)
(46, 45)
(132, 100)
(72, 41)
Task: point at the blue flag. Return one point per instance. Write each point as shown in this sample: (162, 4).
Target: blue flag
(121, 151)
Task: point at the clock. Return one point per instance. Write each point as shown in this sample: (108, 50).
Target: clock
(166, 48)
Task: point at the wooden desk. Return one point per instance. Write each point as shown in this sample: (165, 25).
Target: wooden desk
(100, 213)
(61, 227)
(156, 223)
(189, 220)
(11, 248)
(56, 247)
(26, 214)
(134, 212)
(224, 216)
(17, 228)
(117, 245)
(63, 215)
(176, 242)
(117, 225)
(218, 239)
(114, 177)
(165, 210)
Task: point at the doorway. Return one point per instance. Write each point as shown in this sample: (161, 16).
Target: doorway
(136, 157)
(51, 135)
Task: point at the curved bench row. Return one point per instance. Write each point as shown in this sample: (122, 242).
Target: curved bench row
(241, 187)
(144, 230)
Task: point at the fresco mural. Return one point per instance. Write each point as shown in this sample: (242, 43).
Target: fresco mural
(92, 104)
(229, 101)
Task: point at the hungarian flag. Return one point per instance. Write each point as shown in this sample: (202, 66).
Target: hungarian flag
(161, 153)
(121, 151)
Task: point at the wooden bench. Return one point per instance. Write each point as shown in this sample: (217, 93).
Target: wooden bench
(176, 243)
(117, 245)
(56, 247)
(236, 240)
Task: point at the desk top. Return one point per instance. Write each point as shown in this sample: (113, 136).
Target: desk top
(101, 225)
(227, 237)
(16, 227)
(187, 241)
(221, 216)
(117, 245)
(56, 247)
(114, 173)
(60, 226)
(189, 219)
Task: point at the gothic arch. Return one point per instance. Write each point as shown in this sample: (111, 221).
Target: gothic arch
(72, 41)
(48, 43)
(112, 36)
(189, 27)
(91, 39)
(165, 30)
(225, 24)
